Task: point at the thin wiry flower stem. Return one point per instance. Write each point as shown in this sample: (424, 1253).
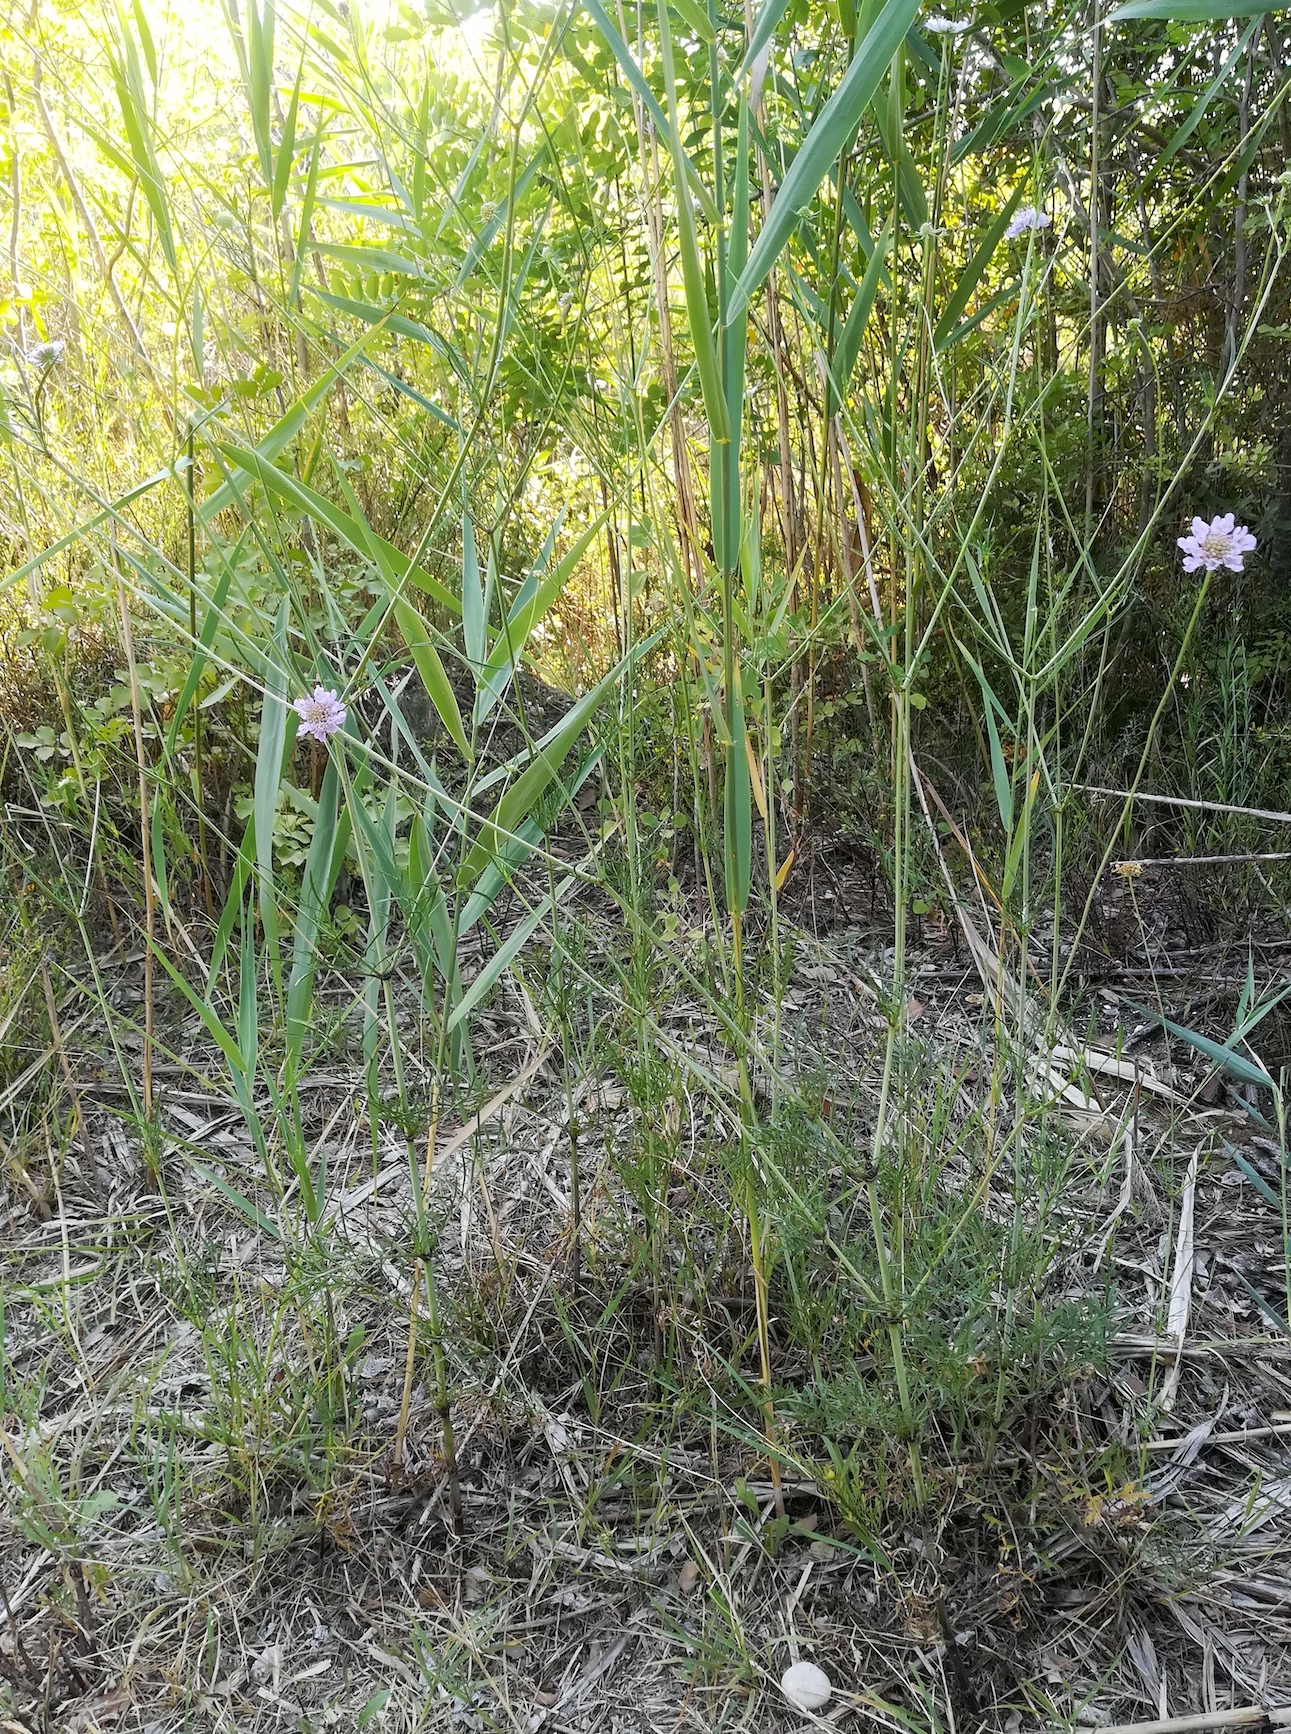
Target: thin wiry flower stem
(190, 513)
(145, 834)
(760, 1291)
(894, 1321)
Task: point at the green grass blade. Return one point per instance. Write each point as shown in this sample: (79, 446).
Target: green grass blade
(849, 341)
(738, 804)
(260, 33)
(508, 646)
(999, 765)
(1271, 1314)
(692, 269)
(128, 80)
(145, 40)
(474, 625)
(197, 664)
(696, 18)
(305, 219)
(243, 868)
(972, 274)
(358, 536)
(829, 136)
(365, 257)
(1186, 11)
(286, 147)
(434, 677)
(1198, 110)
(510, 948)
(322, 868)
(733, 340)
(1235, 1064)
(285, 429)
(532, 783)
(636, 78)
(254, 1215)
(1253, 1174)
(278, 723)
(763, 30)
(81, 533)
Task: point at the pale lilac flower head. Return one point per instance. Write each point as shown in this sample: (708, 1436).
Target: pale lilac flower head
(320, 716)
(938, 26)
(43, 356)
(1027, 217)
(1222, 542)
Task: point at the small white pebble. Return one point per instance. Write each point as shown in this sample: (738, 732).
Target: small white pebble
(806, 1686)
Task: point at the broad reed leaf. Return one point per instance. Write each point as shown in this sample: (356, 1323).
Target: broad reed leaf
(849, 340)
(1226, 1058)
(692, 269)
(831, 134)
(739, 804)
(1187, 11)
(434, 676)
(945, 331)
(474, 625)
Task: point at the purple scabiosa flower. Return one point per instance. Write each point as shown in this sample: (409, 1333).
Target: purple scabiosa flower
(1222, 542)
(320, 716)
(43, 356)
(1027, 217)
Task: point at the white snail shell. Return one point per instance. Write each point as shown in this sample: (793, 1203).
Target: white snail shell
(806, 1686)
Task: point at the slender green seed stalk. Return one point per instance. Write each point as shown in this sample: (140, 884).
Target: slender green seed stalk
(190, 512)
(575, 1209)
(145, 836)
(443, 1403)
(894, 1321)
(424, 1269)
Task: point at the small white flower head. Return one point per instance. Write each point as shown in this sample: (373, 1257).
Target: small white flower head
(1027, 217)
(1222, 542)
(43, 356)
(320, 716)
(939, 26)
(806, 1686)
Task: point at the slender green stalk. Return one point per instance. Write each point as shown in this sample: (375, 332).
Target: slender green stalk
(145, 839)
(199, 792)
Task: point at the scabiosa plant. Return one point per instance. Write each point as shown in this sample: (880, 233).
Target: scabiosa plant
(1027, 217)
(43, 356)
(1222, 542)
(320, 716)
(938, 26)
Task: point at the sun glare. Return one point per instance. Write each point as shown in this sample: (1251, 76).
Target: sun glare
(196, 32)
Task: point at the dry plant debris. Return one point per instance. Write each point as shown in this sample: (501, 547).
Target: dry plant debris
(206, 1529)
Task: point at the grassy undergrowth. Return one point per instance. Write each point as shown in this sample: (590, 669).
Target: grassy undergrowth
(219, 1382)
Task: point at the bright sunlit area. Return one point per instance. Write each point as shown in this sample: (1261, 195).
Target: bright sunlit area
(645, 897)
